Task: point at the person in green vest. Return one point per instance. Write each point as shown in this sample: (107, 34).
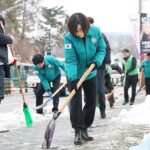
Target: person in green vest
(84, 45)
(130, 74)
(146, 67)
(48, 70)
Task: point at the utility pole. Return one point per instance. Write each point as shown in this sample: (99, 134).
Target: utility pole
(140, 11)
(140, 6)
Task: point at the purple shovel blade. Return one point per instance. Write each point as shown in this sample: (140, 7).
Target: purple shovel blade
(49, 134)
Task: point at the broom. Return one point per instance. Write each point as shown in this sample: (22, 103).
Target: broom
(25, 107)
(26, 111)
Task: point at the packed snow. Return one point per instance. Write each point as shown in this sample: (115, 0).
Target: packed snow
(138, 115)
(145, 145)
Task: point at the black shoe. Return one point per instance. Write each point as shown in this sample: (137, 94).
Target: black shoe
(78, 137)
(124, 103)
(111, 104)
(85, 135)
(131, 103)
(103, 115)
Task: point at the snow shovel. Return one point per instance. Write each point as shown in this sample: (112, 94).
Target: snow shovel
(26, 111)
(53, 95)
(51, 125)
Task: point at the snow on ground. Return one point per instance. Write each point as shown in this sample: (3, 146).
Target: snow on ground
(15, 119)
(138, 115)
(145, 145)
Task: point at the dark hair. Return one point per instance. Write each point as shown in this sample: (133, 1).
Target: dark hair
(148, 54)
(2, 19)
(37, 59)
(75, 20)
(125, 50)
(91, 20)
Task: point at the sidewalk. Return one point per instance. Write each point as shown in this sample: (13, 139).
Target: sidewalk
(108, 135)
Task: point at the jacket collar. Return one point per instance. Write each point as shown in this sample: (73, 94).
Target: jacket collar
(90, 31)
(126, 58)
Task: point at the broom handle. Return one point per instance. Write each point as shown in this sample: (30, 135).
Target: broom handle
(84, 76)
(19, 78)
(63, 85)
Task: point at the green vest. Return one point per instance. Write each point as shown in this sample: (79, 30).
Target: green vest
(127, 64)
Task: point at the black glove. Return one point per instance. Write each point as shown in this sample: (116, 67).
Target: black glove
(95, 67)
(73, 85)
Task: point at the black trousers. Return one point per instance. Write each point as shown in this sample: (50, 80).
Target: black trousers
(41, 91)
(101, 88)
(2, 76)
(130, 81)
(147, 85)
(83, 118)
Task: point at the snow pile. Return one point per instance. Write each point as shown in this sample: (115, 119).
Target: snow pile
(16, 119)
(145, 145)
(138, 115)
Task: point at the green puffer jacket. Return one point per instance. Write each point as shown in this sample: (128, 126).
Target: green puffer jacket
(146, 66)
(50, 70)
(78, 54)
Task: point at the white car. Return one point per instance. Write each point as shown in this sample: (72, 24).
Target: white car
(32, 81)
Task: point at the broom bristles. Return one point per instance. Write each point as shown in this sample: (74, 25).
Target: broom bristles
(28, 117)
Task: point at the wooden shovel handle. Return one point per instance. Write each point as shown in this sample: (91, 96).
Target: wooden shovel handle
(84, 76)
(63, 85)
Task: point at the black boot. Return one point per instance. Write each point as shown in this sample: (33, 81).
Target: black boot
(78, 137)
(125, 102)
(103, 115)
(85, 135)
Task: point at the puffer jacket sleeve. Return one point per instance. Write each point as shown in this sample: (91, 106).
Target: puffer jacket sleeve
(44, 81)
(4, 39)
(71, 60)
(101, 50)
